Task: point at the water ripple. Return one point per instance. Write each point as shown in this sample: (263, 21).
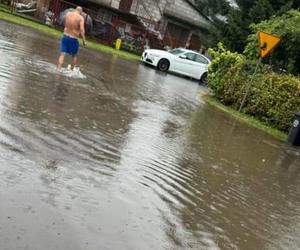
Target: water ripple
(128, 157)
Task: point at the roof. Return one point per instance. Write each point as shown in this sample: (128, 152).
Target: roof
(185, 11)
(193, 4)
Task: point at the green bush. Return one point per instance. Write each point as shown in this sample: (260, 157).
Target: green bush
(273, 98)
(222, 61)
(129, 47)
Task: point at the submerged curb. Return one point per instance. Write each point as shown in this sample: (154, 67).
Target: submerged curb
(249, 120)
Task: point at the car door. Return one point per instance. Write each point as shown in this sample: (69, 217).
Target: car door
(202, 65)
(185, 64)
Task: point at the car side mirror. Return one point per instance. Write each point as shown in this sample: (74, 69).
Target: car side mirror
(183, 57)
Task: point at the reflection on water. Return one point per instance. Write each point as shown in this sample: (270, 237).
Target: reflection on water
(129, 158)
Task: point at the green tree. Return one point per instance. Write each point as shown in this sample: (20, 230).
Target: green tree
(296, 4)
(235, 28)
(235, 32)
(287, 27)
(276, 5)
(245, 5)
(261, 10)
(213, 7)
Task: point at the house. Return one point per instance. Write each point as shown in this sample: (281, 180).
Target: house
(180, 23)
(174, 23)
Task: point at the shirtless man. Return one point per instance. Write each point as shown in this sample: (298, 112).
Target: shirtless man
(74, 29)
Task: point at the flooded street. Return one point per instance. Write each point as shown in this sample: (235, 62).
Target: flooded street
(130, 158)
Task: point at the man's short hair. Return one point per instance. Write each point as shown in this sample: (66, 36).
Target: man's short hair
(79, 9)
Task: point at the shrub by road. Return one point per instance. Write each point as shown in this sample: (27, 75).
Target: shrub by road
(273, 98)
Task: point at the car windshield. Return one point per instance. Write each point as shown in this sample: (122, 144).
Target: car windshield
(176, 51)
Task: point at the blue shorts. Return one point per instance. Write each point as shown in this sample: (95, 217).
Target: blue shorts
(69, 45)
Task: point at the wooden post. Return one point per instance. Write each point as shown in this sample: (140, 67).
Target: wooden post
(41, 8)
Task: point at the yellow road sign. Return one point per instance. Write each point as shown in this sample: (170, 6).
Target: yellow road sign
(266, 42)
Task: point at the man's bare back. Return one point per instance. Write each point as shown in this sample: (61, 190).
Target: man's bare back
(74, 22)
(74, 29)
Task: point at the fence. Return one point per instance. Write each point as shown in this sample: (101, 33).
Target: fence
(103, 26)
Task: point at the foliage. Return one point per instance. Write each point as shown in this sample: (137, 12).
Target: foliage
(212, 7)
(234, 30)
(222, 60)
(276, 5)
(130, 47)
(261, 10)
(296, 4)
(287, 27)
(273, 98)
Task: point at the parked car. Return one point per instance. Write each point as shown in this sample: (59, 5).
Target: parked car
(182, 61)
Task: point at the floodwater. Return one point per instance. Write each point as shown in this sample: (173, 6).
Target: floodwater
(125, 157)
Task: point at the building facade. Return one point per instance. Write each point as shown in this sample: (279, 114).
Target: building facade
(177, 22)
(168, 23)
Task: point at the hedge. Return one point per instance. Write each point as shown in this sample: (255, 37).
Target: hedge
(273, 98)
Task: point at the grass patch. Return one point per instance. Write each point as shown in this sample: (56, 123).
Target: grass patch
(20, 20)
(246, 119)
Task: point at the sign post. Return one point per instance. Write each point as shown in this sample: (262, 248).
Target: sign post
(266, 43)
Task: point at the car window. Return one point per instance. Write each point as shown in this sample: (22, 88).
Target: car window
(176, 51)
(190, 56)
(201, 59)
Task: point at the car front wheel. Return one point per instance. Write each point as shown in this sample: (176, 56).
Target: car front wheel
(163, 65)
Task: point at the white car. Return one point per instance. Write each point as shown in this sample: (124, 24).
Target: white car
(182, 61)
